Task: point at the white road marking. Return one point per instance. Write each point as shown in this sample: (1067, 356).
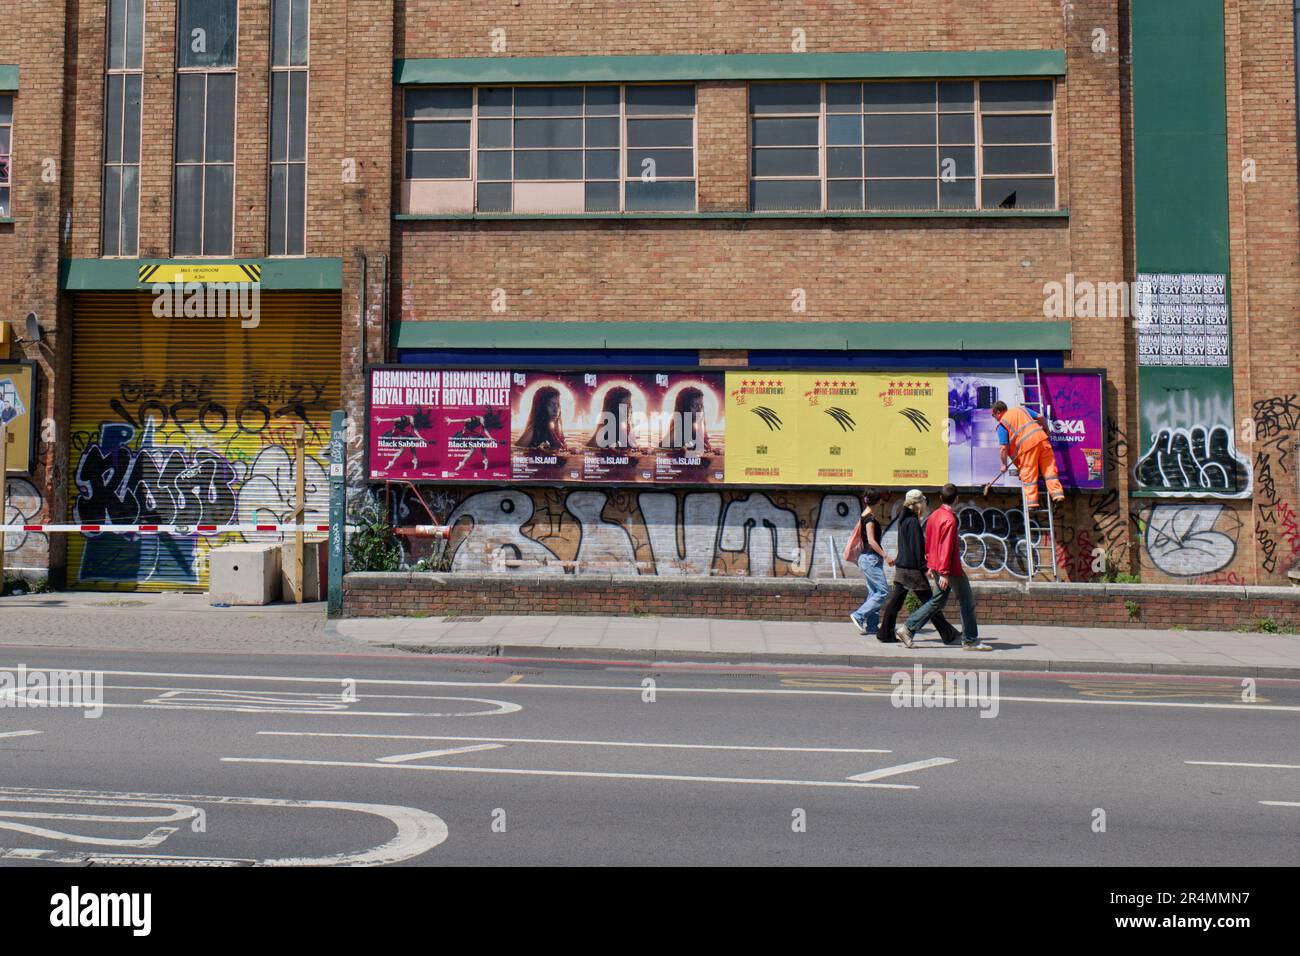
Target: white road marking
(446, 752)
(607, 775)
(20, 733)
(638, 689)
(1279, 803)
(902, 768)
(1225, 763)
(418, 831)
(576, 743)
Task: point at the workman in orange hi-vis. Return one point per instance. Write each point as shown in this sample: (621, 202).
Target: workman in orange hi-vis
(1026, 442)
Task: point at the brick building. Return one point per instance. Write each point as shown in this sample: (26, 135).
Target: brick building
(833, 185)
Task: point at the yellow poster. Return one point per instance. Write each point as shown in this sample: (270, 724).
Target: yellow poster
(906, 435)
(17, 413)
(762, 411)
(834, 428)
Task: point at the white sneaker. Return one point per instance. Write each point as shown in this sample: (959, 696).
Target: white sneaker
(862, 628)
(904, 635)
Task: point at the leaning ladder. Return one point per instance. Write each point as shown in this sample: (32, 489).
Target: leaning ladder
(1030, 379)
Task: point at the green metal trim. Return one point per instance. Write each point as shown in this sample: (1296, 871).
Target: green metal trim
(754, 336)
(278, 275)
(8, 78)
(922, 214)
(732, 66)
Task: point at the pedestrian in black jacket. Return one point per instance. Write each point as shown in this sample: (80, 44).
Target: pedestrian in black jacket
(910, 573)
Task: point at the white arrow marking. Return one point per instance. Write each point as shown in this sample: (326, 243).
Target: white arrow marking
(901, 768)
(404, 758)
(20, 733)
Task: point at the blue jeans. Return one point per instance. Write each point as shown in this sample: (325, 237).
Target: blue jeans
(873, 566)
(970, 630)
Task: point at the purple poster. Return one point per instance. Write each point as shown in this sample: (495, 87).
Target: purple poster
(1073, 406)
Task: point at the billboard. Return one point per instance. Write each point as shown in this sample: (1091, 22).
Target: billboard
(18, 414)
(742, 427)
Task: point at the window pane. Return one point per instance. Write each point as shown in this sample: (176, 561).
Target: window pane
(957, 195)
(784, 98)
(602, 101)
(658, 100)
(453, 134)
(453, 164)
(661, 196)
(494, 165)
(1019, 193)
(6, 109)
(844, 97)
(207, 32)
(660, 132)
(218, 210)
(187, 211)
(113, 119)
(130, 211)
(788, 132)
(277, 202)
(1004, 160)
(844, 162)
(844, 131)
(298, 115)
(901, 194)
(494, 197)
(898, 97)
(4, 202)
(903, 130)
(602, 132)
(957, 129)
(1012, 96)
(189, 117)
(548, 133)
(603, 164)
(956, 97)
(844, 194)
(494, 133)
(131, 120)
(548, 164)
(280, 33)
(492, 101)
(666, 162)
(1017, 129)
(785, 162)
(117, 35)
(220, 140)
(280, 117)
(902, 161)
(786, 195)
(134, 34)
(295, 238)
(548, 101)
(438, 103)
(602, 197)
(298, 50)
(112, 221)
(962, 160)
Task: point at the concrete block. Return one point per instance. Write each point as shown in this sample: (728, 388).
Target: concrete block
(244, 574)
(315, 577)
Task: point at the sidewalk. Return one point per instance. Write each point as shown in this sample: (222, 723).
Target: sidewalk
(1112, 650)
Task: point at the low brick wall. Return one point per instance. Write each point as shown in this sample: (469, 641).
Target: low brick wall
(798, 599)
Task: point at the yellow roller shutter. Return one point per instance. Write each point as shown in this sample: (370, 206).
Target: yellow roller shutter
(191, 421)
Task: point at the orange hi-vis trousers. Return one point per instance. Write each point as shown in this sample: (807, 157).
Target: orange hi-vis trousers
(1035, 458)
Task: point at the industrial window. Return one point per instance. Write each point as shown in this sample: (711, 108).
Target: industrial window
(906, 146)
(203, 207)
(550, 149)
(287, 211)
(120, 219)
(6, 154)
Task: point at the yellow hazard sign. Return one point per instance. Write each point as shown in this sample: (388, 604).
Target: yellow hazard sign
(167, 273)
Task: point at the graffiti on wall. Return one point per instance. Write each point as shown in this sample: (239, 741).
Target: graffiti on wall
(24, 505)
(1190, 540)
(1277, 534)
(1192, 446)
(681, 533)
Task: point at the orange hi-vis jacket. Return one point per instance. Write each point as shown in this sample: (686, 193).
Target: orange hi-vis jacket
(1023, 431)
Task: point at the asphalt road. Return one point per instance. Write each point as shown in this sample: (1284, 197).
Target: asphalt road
(359, 758)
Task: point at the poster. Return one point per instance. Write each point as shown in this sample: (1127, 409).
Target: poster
(17, 413)
(1073, 402)
(763, 412)
(974, 455)
(688, 427)
(429, 424)
(1182, 319)
(908, 440)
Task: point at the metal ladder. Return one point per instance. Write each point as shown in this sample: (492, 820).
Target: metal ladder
(1030, 379)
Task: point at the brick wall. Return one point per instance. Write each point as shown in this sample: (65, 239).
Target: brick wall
(1063, 605)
